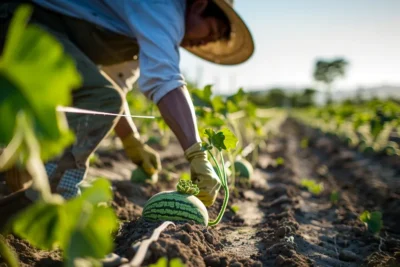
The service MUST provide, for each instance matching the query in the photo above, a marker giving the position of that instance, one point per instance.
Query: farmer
(112, 34)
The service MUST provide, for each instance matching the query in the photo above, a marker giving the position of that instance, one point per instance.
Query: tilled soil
(272, 222)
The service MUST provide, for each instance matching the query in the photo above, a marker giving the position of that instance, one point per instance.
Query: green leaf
(312, 186)
(80, 227)
(230, 140)
(279, 161)
(99, 192)
(365, 216)
(334, 197)
(38, 77)
(185, 176)
(163, 262)
(7, 255)
(217, 141)
(176, 263)
(218, 104)
(42, 224)
(235, 208)
(373, 220)
(231, 107)
(202, 98)
(91, 236)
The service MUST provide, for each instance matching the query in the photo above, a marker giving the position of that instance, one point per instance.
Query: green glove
(203, 174)
(141, 154)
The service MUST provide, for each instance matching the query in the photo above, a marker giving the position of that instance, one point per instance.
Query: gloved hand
(141, 154)
(203, 174)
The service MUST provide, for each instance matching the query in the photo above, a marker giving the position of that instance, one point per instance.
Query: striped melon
(243, 169)
(175, 206)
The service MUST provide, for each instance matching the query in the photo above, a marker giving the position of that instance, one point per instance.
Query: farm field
(274, 220)
(301, 184)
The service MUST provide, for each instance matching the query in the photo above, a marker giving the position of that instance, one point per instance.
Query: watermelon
(243, 169)
(153, 140)
(140, 176)
(175, 206)
(391, 149)
(368, 150)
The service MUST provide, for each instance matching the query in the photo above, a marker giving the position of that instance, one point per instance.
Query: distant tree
(276, 97)
(327, 71)
(307, 98)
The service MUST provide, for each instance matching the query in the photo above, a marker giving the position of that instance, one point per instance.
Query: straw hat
(237, 49)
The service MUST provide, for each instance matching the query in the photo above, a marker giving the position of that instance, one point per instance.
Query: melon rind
(174, 206)
(140, 176)
(243, 169)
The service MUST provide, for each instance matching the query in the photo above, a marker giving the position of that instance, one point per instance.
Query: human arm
(140, 153)
(159, 29)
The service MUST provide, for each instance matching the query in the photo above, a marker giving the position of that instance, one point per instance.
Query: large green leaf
(99, 192)
(230, 140)
(222, 140)
(37, 77)
(43, 225)
(81, 227)
(92, 235)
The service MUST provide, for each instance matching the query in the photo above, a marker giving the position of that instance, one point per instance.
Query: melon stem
(224, 182)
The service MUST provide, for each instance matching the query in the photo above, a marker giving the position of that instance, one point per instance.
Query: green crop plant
(334, 197)
(304, 143)
(94, 159)
(164, 262)
(182, 204)
(373, 221)
(235, 208)
(312, 186)
(32, 130)
(222, 140)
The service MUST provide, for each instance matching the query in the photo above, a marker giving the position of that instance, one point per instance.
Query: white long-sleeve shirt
(157, 25)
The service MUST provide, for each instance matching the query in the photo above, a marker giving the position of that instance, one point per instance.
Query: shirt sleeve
(159, 28)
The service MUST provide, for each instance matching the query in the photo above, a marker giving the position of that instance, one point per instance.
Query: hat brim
(236, 50)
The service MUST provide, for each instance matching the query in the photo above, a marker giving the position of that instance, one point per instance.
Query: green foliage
(279, 161)
(235, 208)
(37, 77)
(334, 197)
(373, 221)
(222, 140)
(94, 159)
(304, 143)
(185, 176)
(81, 227)
(202, 97)
(312, 186)
(163, 262)
(328, 70)
(366, 126)
(9, 257)
(29, 50)
(187, 187)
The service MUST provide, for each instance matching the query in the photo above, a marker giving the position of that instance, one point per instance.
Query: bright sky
(290, 34)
